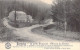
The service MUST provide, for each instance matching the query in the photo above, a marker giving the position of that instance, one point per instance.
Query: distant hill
(39, 3)
(9, 5)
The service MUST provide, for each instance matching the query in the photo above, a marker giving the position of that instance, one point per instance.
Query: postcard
(40, 24)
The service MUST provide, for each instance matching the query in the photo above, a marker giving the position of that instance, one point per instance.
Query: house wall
(22, 18)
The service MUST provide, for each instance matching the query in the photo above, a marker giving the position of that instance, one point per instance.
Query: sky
(47, 1)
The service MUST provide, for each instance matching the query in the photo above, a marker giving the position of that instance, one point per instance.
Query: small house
(22, 19)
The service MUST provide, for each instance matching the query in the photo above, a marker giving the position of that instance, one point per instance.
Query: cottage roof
(19, 14)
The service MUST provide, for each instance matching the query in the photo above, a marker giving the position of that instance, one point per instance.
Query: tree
(62, 11)
(30, 9)
(69, 11)
(37, 13)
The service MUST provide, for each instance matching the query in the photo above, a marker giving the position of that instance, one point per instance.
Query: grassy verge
(53, 33)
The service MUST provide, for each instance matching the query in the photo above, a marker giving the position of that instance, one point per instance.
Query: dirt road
(27, 33)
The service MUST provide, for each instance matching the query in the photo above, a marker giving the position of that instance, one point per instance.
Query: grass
(58, 34)
(7, 34)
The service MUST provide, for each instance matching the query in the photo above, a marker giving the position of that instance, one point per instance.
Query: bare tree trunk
(65, 22)
(15, 15)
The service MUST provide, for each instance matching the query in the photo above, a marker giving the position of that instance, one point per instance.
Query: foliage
(67, 10)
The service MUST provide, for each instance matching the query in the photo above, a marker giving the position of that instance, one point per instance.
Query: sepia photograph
(39, 20)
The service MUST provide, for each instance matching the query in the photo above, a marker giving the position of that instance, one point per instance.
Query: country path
(27, 33)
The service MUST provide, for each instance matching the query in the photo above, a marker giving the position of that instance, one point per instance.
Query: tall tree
(62, 11)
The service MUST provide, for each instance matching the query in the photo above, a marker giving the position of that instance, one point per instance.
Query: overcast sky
(47, 1)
